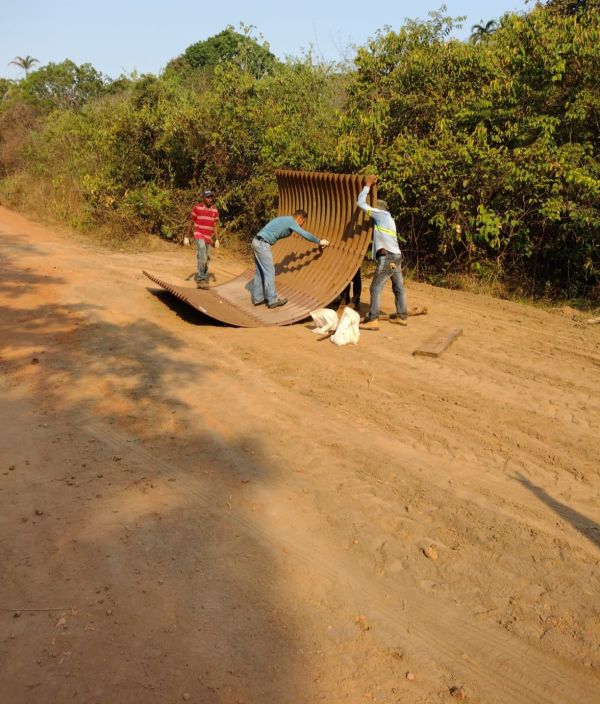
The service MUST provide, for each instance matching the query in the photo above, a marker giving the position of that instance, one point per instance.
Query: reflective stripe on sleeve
(387, 232)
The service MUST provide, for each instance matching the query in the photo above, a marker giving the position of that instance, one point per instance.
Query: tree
(248, 53)
(24, 62)
(488, 152)
(572, 7)
(480, 32)
(65, 85)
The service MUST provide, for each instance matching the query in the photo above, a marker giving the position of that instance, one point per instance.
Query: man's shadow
(588, 528)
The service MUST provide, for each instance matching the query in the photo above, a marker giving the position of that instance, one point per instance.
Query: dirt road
(192, 512)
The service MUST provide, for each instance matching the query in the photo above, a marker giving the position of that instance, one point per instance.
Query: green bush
(488, 151)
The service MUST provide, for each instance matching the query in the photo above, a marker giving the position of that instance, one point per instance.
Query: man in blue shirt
(263, 287)
(386, 252)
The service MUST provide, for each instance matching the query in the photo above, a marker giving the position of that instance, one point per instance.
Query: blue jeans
(263, 287)
(203, 254)
(388, 267)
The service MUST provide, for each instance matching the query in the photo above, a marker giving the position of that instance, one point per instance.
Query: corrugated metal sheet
(308, 277)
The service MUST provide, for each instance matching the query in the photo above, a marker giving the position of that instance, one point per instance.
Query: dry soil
(193, 512)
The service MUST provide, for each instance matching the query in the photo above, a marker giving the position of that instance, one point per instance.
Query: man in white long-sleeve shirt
(386, 252)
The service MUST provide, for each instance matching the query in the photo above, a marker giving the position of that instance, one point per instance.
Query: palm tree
(479, 32)
(24, 62)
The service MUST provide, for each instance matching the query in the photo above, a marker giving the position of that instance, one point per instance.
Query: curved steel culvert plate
(308, 277)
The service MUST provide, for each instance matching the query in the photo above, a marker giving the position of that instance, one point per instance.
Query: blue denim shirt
(283, 226)
(384, 229)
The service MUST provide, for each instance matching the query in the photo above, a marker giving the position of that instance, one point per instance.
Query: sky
(122, 36)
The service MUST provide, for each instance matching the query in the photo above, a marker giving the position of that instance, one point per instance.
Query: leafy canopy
(250, 54)
(63, 86)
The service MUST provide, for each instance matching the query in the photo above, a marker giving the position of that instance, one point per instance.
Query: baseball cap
(207, 194)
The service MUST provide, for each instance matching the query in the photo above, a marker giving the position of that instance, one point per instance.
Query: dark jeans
(356, 284)
(388, 267)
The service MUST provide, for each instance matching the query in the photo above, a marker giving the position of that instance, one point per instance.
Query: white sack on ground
(347, 332)
(326, 320)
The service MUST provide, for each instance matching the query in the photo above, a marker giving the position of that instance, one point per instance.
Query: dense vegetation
(488, 150)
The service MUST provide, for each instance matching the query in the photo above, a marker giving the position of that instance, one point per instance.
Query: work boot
(202, 284)
(278, 302)
(369, 324)
(397, 320)
(258, 303)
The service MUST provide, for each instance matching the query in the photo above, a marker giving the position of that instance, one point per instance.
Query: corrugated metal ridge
(308, 277)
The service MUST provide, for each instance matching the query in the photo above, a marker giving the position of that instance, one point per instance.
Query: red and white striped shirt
(205, 221)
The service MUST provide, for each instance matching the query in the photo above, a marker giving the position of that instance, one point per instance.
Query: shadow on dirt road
(588, 528)
(130, 570)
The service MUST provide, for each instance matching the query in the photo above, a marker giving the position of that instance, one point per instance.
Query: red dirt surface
(192, 512)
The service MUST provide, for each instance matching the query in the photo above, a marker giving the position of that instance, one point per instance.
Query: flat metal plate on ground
(437, 343)
(308, 277)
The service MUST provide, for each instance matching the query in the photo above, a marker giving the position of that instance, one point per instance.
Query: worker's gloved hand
(216, 244)
(323, 243)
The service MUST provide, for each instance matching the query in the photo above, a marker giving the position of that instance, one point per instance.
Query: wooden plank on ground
(439, 342)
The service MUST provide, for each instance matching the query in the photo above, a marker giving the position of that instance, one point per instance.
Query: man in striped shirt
(204, 221)
(386, 252)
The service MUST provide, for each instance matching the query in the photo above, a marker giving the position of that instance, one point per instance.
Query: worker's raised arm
(362, 200)
(370, 180)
